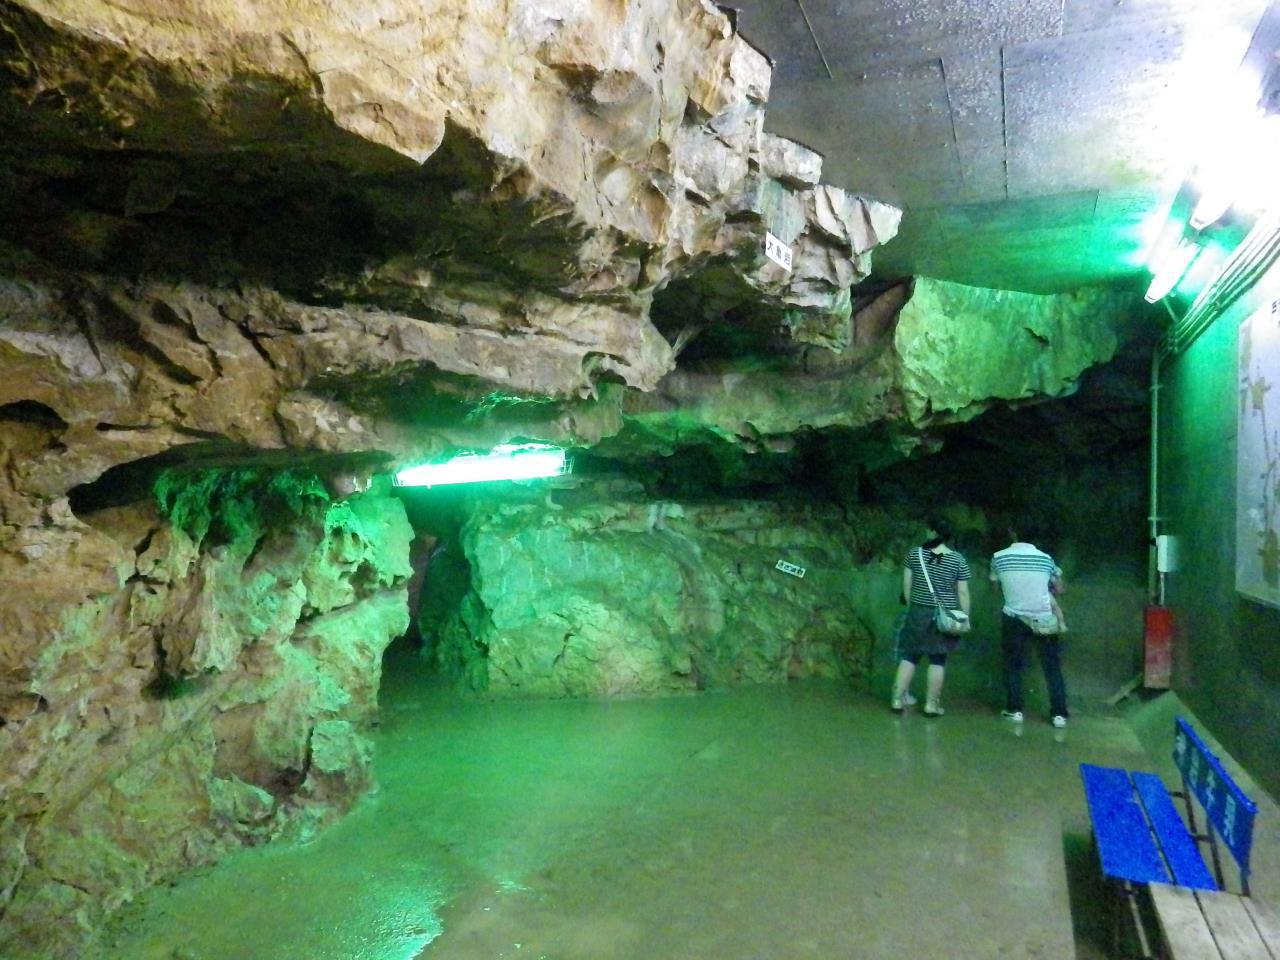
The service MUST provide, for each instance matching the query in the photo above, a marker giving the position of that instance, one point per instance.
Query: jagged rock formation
(921, 356)
(612, 593)
(964, 348)
(417, 211)
(532, 170)
(175, 683)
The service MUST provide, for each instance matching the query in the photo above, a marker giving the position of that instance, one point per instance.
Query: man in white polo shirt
(1026, 575)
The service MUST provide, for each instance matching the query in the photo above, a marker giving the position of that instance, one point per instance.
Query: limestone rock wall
(287, 234)
(965, 348)
(286, 225)
(920, 356)
(116, 372)
(527, 168)
(611, 595)
(176, 682)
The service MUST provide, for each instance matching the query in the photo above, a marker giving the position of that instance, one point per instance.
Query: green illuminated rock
(216, 686)
(922, 356)
(638, 597)
(962, 348)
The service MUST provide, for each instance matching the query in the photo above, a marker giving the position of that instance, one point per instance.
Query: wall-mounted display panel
(1258, 457)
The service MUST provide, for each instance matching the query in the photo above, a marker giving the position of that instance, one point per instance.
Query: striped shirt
(1024, 573)
(945, 570)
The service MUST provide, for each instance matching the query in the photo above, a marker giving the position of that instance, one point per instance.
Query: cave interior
(789, 290)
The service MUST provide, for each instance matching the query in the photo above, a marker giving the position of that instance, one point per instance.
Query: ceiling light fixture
(1169, 270)
(507, 461)
(1241, 173)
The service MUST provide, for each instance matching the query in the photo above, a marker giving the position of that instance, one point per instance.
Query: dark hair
(941, 532)
(941, 529)
(1028, 532)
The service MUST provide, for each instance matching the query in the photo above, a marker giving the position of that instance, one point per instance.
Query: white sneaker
(908, 700)
(1014, 715)
(1059, 721)
(933, 710)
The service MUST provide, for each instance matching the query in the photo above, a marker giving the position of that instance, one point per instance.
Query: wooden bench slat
(1180, 850)
(1182, 923)
(1268, 925)
(1232, 926)
(1125, 844)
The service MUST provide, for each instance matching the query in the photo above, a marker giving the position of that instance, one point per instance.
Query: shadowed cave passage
(656, 574)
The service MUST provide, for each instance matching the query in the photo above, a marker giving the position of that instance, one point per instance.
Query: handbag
(952, 622)
(1042, 625)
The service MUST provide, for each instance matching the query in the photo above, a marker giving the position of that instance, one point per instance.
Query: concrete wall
(1227, 658)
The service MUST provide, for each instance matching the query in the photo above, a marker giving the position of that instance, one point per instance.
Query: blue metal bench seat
(1139, 833)
(1146, 846)
(1181, 853)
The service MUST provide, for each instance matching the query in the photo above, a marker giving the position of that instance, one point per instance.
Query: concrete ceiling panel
(890, 133)
(1091, 110)
(778, 28)
(1030, 141)
(1082, 16)
(1035, 244)
(976, 95)
(856, 35)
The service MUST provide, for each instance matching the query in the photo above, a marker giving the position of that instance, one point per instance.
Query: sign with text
(790, 568)
(777, 251)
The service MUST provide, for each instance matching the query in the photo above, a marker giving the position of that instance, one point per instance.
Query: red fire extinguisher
(1158, 648)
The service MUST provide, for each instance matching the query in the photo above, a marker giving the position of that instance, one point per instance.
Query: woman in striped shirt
(948, 571)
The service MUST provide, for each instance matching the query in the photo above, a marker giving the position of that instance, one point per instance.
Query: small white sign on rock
(777, 251)
(790, 568)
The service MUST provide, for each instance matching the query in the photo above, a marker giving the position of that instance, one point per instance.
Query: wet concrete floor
(796, 822)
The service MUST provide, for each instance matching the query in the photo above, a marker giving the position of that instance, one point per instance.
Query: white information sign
(777, 251)
(790, 568)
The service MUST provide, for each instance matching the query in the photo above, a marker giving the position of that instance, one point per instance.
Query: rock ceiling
(233, 227)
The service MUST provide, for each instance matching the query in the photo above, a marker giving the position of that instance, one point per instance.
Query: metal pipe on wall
(1153, 497)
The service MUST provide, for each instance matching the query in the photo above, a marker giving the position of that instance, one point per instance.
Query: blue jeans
(1015, 637)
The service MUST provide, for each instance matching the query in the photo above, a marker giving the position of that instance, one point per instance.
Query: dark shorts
(920, 638)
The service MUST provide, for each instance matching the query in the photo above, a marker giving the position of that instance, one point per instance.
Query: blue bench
(1152, 854)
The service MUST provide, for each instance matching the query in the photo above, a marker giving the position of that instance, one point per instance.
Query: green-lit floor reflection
(798, 822)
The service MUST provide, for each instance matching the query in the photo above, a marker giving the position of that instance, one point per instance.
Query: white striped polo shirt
(1024, 573)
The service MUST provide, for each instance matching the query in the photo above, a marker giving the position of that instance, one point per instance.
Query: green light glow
(505, 462)
(1158, 234)
(1204, 270)
(1169, 270)
(1206, 92)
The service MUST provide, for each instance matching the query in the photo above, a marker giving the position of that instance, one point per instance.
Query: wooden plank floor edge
(1268, 924)
(1232, 926)
(1183, 925)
